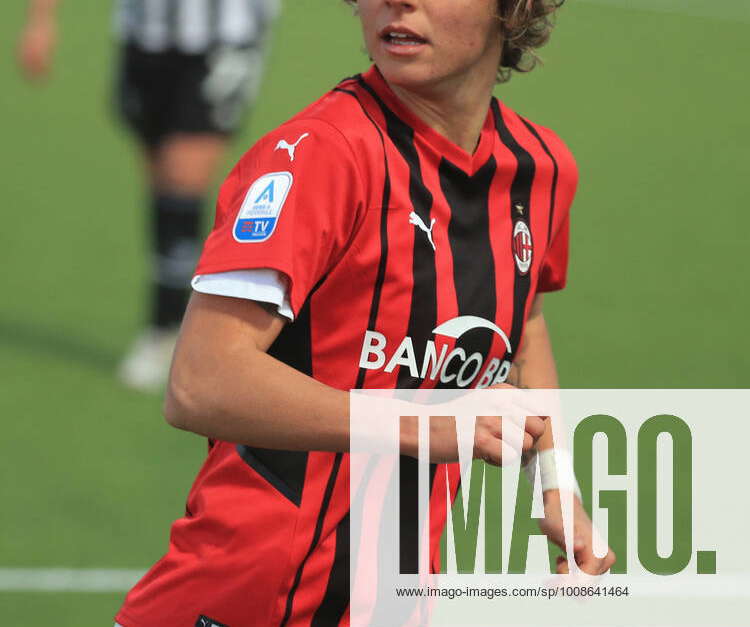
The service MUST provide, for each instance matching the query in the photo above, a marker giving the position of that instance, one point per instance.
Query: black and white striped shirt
(193, 26)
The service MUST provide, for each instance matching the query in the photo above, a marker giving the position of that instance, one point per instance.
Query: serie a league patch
(260, 211)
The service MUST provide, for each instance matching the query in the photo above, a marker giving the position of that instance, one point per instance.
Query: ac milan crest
(522, 246)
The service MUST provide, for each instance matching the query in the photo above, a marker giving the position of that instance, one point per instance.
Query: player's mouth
(400, 40)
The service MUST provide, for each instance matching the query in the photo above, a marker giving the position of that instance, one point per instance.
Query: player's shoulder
(549, 141)
(300, 140)
(548, 150)
(341, 119)
(328, 137)
(341, 109)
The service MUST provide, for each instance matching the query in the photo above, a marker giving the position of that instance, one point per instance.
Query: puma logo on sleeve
(290, 148)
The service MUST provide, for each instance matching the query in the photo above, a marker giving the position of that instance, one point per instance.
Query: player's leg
(184, 168)
(144, 82)
(207, 102)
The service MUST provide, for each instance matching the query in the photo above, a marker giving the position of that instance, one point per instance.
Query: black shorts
(162, 93)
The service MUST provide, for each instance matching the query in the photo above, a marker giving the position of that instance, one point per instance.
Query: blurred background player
(188, 71)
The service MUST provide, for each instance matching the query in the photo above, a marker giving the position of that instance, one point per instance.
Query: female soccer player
(188, 70)
(405, 202)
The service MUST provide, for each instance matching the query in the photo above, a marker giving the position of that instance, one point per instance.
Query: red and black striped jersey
(409, 263)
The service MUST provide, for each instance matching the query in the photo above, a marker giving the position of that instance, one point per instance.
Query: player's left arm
(534, 367)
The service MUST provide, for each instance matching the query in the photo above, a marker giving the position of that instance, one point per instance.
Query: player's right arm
(225, 386)
(36, 45)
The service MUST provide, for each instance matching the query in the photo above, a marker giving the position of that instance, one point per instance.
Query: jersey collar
(440, 144)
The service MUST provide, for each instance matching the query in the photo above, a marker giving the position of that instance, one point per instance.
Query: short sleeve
(291, 204)
(554, 271)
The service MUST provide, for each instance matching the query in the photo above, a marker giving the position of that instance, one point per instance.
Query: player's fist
(492, 447)
(498, 440)
(36, 47)
(520, 404)
(501, 438)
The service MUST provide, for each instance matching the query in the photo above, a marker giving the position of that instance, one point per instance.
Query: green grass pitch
(653, 105)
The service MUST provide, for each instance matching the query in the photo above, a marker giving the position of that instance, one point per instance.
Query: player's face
(428, 44)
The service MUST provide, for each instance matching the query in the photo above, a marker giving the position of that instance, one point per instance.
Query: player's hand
(534, 426)
(583, 534)
(36, 48)
(489, 443)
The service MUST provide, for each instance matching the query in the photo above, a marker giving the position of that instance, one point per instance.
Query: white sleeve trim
(262, 284)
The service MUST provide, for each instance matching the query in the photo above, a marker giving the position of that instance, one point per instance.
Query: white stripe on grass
(736, 10)
(68, 579)
(121, 580)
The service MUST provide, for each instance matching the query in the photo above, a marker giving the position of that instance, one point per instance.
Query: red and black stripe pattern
(436, 239)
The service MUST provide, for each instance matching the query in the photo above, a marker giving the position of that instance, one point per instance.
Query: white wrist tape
(555, 470)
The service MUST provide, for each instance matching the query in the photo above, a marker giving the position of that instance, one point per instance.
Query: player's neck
(457, 112)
